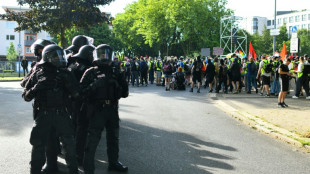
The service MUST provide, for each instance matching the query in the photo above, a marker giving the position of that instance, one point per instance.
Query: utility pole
(275, 26)
(19, 45)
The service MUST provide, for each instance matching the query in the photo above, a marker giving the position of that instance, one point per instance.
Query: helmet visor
(103, 53)
(40, 42)
(57, 58)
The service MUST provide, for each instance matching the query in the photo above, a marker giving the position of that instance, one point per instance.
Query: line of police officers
(75, 98)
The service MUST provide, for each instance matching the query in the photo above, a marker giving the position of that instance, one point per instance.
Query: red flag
(252, 51)
(283, 52)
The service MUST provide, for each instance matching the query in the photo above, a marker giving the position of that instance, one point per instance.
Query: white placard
(294, 45)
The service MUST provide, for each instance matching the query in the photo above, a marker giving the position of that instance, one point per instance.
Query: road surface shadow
(149, 150)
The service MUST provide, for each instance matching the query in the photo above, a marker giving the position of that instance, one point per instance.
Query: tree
(304, 39)
(56, 17)
(282, 37)
(182, 27)
(11, 54)
(101, 34)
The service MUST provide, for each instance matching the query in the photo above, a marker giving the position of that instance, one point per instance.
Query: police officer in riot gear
(77, 42)
(84, 59)
(48, 86)
(104, 86)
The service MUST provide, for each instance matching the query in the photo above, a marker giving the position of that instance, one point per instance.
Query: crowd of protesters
(266, 76)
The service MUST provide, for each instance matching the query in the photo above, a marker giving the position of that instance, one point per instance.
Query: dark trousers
(25, 70)
(302, 82)
(251, 81)
(151, 76)
(48, 122)
(219, 87)
(105, 116)
(135, 78)
(81, 133)
(144, 78)
(127, 76)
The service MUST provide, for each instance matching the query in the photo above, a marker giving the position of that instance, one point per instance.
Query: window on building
(304, 26)
(309, 17)
(10, 37)
(30, 37)
(297, 18)
(285, 20)
(279, 21)
(308, 26)
(28, 50)
(268, 22)
(304, 17)
(291, 19)
(290, 29)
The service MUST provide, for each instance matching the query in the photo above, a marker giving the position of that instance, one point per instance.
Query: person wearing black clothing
(284, 82)
(84, 59)
(49, 86)
(210, 71)
(143, 72)
(134, 72)
(103, 86)
(196, 71)
(236, 75)
(24, 64)
(223, 70)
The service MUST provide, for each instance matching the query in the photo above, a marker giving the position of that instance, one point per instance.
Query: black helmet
(79, 41)
(86, 53)
(306, 55)
(55, 55)
(40, 44)
(103, 52)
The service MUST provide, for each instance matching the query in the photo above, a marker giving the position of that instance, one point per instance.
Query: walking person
(236, 75)
(167, 70)
(210, 72)
(284, 82)
(264, 70)
(222, 76)
(24, 64)
(196, 71)
(302, 80)
(135, 72)
(251, 75)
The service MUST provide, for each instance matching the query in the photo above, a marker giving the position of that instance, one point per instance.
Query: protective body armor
(102, 83)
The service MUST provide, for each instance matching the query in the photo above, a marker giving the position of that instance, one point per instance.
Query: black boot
(118, 166)
(49, 168)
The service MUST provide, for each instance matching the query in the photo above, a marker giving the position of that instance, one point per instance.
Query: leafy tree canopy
(56, 16)
(11, 54)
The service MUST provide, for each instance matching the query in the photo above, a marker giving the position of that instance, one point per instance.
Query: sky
(243, 8)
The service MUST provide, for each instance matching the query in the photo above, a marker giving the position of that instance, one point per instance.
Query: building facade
(24, 38)
(299, 19)
(255, 24)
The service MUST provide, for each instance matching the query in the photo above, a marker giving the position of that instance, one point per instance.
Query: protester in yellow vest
(302, 80)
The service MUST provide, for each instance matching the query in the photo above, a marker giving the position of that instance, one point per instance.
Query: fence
(11, 68)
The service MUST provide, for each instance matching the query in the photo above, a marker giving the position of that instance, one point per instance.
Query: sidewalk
(290, 124)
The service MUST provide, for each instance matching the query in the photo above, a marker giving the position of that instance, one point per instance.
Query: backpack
(167, 68)
(225, 70)
(268, 67)
(152, 66)
(127, 67)
(253, 68)
(199, 66)
(144, 66)
(186, 67)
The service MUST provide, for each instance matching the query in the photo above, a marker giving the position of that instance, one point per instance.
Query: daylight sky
(244, 8)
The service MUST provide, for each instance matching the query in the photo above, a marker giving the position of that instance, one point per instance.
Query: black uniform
(104, 87)
(78, 113)
(49, 86)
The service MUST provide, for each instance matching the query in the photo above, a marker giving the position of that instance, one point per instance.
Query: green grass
(10, 78)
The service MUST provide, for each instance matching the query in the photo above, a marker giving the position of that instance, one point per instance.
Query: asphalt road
(174, 132)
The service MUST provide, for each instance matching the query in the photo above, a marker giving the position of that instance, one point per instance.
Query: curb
(262, 126)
